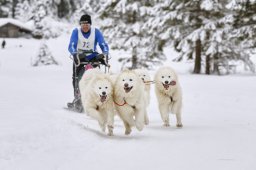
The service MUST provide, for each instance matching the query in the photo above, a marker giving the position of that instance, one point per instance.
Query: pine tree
(189, 26)
(243, 34)
(44, 17)
(5, 8)
(14, 4)
(122, 23)
(64, 8)
(245, 23)
(40, 12)
(23, 10)
(44, 56)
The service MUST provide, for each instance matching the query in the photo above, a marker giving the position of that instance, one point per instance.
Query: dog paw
(166, 124)
(146, 122)
(110, 133)
(128, 131)
(179, 125)
(110, 130)
(139, 126)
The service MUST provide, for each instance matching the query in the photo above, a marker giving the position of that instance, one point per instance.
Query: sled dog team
(128, 95)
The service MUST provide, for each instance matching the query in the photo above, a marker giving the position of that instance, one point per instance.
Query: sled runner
(80, 59)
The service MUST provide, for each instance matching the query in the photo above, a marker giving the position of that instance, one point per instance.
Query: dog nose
(166, 82)
(104, 93)
(126, 85)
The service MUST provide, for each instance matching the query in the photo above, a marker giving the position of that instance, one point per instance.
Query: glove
(81, 56)
(101, 59)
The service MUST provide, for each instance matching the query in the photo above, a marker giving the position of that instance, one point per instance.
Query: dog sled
(80, 60)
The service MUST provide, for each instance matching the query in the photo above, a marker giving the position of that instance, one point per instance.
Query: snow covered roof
(4, 21)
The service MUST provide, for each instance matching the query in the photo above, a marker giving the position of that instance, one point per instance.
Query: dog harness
(148, 82)
(124, 104)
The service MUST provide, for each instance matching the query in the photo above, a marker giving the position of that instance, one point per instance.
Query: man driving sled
(82, 47)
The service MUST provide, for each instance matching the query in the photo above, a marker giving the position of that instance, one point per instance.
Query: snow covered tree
(23, 10)
(39, 13)
(244, 30)
(122, 23)
(5, 8)
(64, 8)
(44, 56)
(14, 4)
(200, 30)
(45, 20)
(245, 22)
(86, 8)
(189, 26)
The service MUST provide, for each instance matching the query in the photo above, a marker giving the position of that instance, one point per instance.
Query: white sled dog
(145, 77)
(97, 98)
(129, 100)
(169, 95)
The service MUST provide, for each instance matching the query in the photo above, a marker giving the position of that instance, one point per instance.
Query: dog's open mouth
(166, 86)
(103, 98)
(128, 89)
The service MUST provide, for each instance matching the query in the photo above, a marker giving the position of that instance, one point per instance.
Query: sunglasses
(84, 23)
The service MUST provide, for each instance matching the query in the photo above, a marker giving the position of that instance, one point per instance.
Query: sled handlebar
(100, 59)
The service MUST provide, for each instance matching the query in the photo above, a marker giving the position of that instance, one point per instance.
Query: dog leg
(96, 115)
(176, 109)
(139, 119)
(110, 130)
(146, 119)
(102, 126)
(178, 117)
(164, 114)
(128, 129)
(110, 122)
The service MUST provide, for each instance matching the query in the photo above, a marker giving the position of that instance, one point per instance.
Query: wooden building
(12, 28)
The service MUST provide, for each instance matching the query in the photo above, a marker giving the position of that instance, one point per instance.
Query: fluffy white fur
(145, 77)
(129, 92)
(97, 98)
(169, 95)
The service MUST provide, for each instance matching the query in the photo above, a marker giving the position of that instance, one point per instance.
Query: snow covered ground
(36, 133)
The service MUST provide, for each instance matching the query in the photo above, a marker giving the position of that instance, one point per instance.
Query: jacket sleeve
(72, 47)
(102, 43)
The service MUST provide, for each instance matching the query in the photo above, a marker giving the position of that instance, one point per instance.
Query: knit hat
(86, 18)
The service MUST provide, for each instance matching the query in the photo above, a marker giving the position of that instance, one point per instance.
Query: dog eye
(144, 75)
(169, 76)
(99, 87)
(130, 79)
(106, 87)
(123, 79)
(162, 76)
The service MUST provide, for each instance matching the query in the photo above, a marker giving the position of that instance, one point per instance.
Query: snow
(207, 5)
(37, 133)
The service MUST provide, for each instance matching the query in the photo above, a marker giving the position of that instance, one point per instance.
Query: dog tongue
(173, 83)
(103, 98)
(166, 86)
(126, 89)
